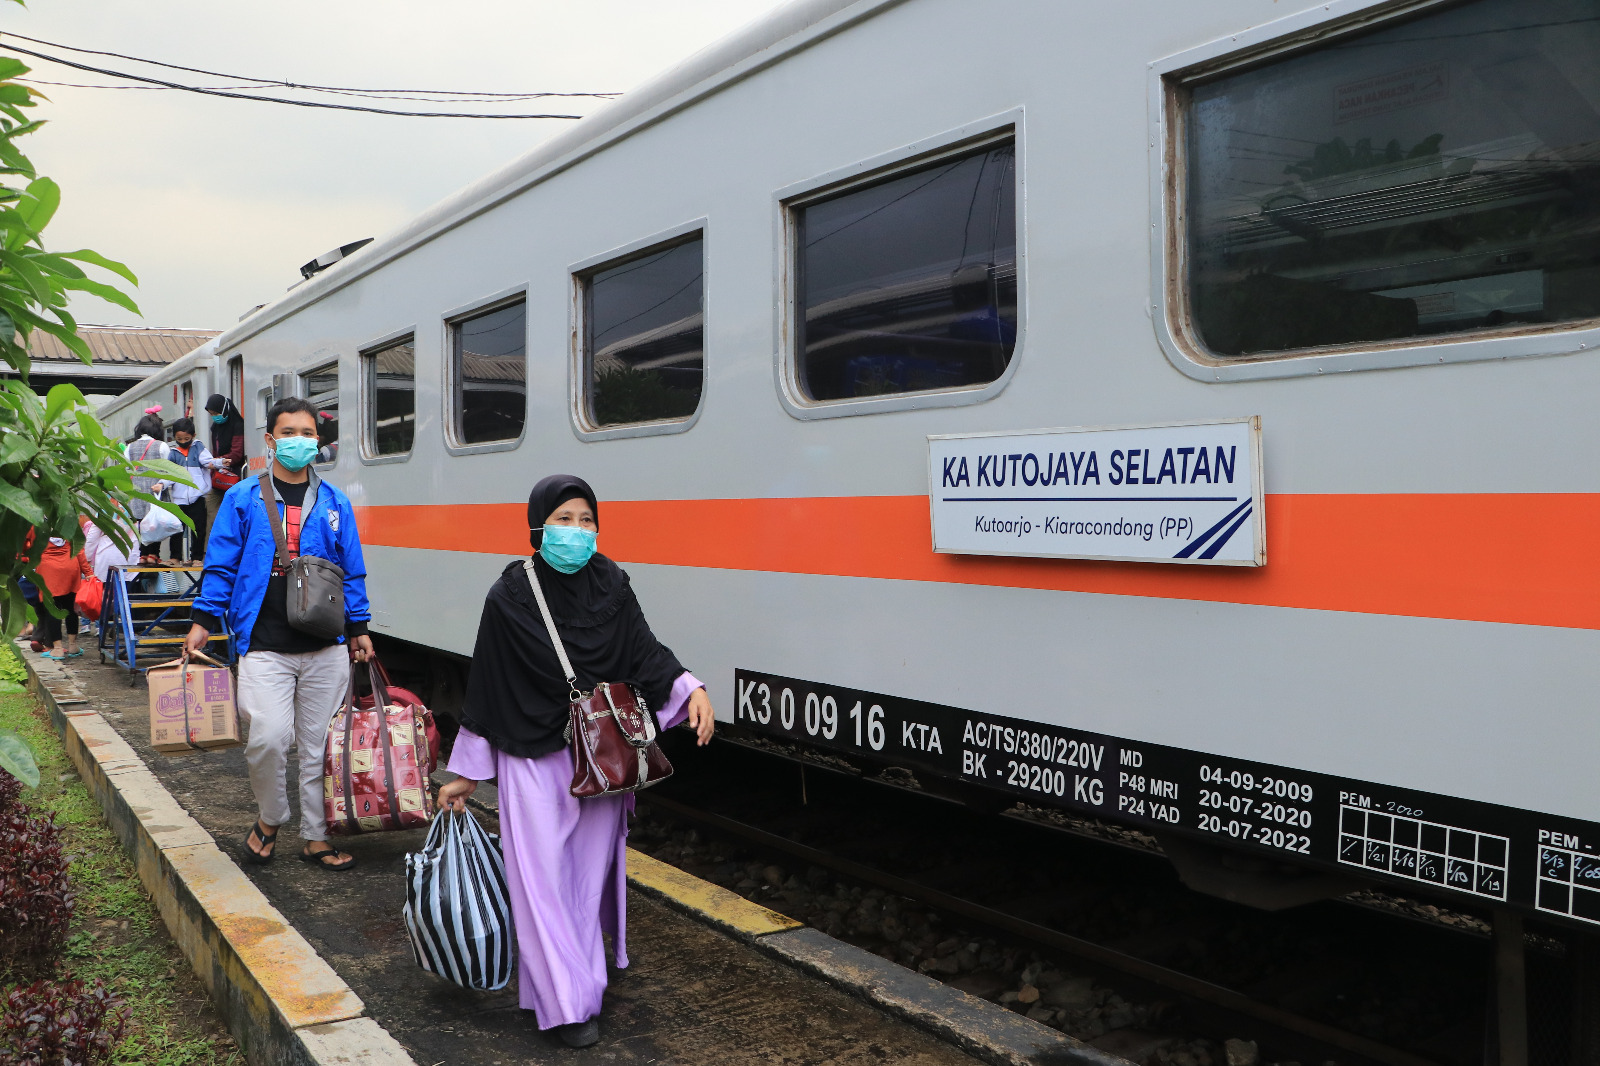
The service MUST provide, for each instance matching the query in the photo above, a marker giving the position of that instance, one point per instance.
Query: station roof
(145, 349)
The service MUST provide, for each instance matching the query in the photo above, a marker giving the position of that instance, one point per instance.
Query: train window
(322, 389)
(489, 372)
(643, 336)
(909, 284)
(187, 403)
(236, 380)
(1434, 176)
(389, 390)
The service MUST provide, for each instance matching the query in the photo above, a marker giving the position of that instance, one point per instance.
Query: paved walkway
(691, 995)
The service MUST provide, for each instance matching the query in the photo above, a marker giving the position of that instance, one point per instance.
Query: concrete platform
(317, 968)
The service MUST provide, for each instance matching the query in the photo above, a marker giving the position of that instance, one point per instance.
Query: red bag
(91, 596)
(614, 747)
(374, 764)
(224, 479)
(612, 732)
(404, 697)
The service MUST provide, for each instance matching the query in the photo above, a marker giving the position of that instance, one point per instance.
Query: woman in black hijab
(227, 426)
(565, 858)
(227, 443)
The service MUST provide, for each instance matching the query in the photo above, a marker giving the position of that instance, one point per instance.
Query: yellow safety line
(717, 903)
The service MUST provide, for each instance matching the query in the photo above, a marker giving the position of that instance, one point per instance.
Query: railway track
(1408, 986)
(1222, 1007)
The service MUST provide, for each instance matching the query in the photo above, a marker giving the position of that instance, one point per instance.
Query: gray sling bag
(316, 586)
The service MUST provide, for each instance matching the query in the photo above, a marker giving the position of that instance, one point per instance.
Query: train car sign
(1182, 492)
(1486, 853)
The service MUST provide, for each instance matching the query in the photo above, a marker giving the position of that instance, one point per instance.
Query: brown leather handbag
(612, 732)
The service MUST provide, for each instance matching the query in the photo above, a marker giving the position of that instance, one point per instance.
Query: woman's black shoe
(581, 1034)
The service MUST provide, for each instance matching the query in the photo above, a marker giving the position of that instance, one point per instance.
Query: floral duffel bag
(376, 762)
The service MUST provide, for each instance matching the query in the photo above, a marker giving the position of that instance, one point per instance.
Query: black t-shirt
(273, 631)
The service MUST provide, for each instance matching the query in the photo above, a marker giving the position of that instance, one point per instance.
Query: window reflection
(1437, 176)
(490, 375)
(910, 284)
(391, 377)
(323, 379)
(644, 337)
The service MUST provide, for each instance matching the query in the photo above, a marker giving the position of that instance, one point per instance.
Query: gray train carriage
(180, 389)
(1178, 414)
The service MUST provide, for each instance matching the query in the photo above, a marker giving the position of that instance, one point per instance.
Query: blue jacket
(241, 552)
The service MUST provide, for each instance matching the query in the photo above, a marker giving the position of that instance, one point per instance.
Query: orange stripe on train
(1489, 557)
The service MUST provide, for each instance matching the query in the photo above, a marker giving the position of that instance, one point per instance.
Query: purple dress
(567, 869)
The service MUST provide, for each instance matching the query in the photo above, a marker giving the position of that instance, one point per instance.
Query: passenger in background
(60, 571)
(564, 857)
(291, 682)
(150, 442)
(30, 596)
(329, 451)
(197, 462)
(227, 444)
(103, 553)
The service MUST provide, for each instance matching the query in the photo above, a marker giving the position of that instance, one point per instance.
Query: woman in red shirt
(60, 571)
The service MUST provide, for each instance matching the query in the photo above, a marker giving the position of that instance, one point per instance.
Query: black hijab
(222, 434)
(551, 493)
(516, 695)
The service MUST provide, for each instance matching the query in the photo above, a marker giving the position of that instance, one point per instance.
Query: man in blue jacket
(291, 683)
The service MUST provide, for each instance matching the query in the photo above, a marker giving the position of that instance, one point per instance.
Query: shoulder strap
(550, 625)
(269, 504)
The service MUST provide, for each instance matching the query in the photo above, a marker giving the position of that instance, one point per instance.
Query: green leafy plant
(34, 282)
(56, 460)
(16, 760)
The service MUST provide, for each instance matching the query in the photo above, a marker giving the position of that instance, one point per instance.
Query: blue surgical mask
(295, 452)
(219, 419)
(567, 548)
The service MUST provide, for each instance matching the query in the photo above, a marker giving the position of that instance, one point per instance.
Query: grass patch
(116, 933)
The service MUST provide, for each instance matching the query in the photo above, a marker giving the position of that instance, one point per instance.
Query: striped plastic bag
(458, 910)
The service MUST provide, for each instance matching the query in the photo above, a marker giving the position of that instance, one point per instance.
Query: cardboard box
(208, 697)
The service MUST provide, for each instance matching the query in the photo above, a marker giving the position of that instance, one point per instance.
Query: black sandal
(267, 840)
(320, 859)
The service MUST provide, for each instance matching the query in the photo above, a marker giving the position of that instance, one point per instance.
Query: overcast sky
(215, 203)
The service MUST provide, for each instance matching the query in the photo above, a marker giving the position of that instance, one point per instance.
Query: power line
(84, 85)
(263, 99)
(289, 84)
(376, 95)
(470, 98)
